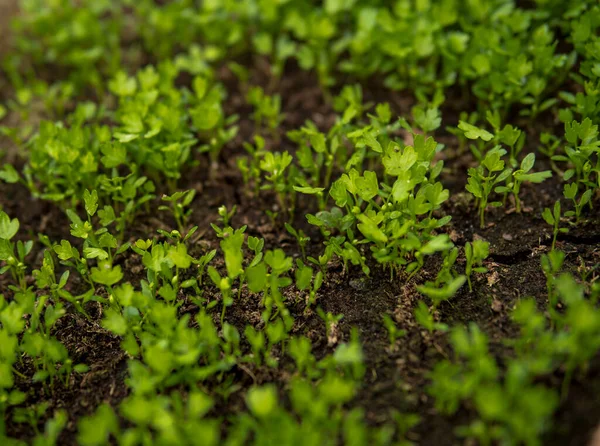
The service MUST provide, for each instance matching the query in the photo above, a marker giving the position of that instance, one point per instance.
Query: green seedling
(475, 253)
(13, 253)
(482, 180)
(267, 110)
(300, 237)
(179, 203)
(331, 320)
(425, 319)
(225, 216)
(553, 219)
(393, 331)
(551, 265)
(570, 193)
(523, 175)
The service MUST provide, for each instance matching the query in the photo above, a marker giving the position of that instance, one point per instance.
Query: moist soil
(396, 376)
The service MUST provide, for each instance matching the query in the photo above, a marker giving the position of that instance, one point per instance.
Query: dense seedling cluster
(296, 222)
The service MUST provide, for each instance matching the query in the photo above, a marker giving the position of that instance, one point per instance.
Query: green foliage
(111, 104)
(83, 40)
(513, 409)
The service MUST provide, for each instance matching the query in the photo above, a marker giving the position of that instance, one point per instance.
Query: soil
(396, 377)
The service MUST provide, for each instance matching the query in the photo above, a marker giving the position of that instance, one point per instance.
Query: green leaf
(367, 185)
(91, 201)
(446, 292)
(439, 243)
(262, 401)
(106, 274)
(96, 429)
(309, 190)
(122, 85)
(179, 255)
(473, 132)
(370, 229)
(65, 251)
(528, 162)
(95, 253)
(114, 155)
(398, 162)
(8, 227)
(338, 193)
(547, 215)
(537, 177)
(9, 174)
(232, 248)
(257, 277)
(115, 322)
(570, 190)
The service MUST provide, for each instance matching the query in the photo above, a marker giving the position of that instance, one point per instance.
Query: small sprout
(393, 331)
(301, 238)
(225, 215)
(570, 192)
(331, 320)
(553, 219)
(523, 175)
(178, 205)
(475, 254)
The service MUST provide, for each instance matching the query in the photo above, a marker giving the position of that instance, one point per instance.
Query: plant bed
(217, 227)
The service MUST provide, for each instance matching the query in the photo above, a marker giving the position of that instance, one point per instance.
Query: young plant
(300, 236)
(179, 206)
(13, 254)
(482, 180)
(581, 152)
(551, 265)
(331, 320)
(570, 192)
(276, 166)
(425, 319)
(447, 282)
(553, 219)
(523, 175)
(304, 278)
(267, 110)
(475, 254)
(231, 245)
(393, 331)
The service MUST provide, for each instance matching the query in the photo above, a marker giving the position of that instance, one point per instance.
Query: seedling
(301, 238)
(393, 331)
(331, 320)
(13, 254)
(570, 192)
(179, 206)
(553, 219)
(267, 110)
(522, 175)
(483, 179)
(475, 254)
(225, 215)
(424, 317)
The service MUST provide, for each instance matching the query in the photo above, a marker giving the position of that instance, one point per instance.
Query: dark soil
(396, 376)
